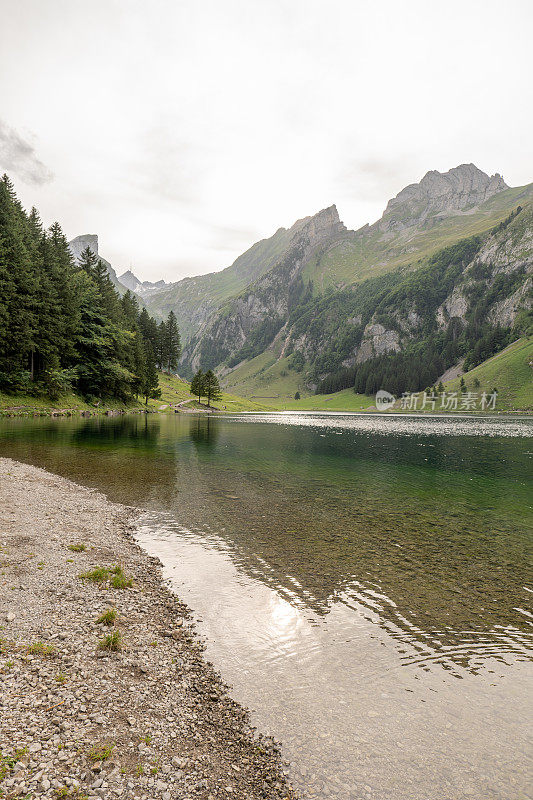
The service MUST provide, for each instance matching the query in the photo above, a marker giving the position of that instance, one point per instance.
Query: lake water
(363, 582)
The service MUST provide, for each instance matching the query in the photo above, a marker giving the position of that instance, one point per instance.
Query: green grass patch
(41, 649)
(510, 372)
(113, 641)
(120, 580)
(108, 617)
(77, 548)
(100, 752)
(174, 391)
(7, 763)
(97, 575)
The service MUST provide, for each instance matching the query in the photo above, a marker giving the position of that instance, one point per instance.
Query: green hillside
(174, 391)
(265, 380)
(369, 252)
(510, 372)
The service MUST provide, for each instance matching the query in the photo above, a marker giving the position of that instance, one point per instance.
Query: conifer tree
(148, 328)
(151, 379)
(211, 387)
(161, 351)
(63, 323)
(197, 385)
(17, 287)
(173, 343)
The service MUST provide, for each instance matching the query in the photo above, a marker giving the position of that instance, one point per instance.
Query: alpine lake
(363, 582)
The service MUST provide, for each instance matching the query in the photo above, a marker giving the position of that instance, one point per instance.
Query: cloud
(18, 156)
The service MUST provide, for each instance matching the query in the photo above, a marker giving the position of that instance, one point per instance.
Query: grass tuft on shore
(113, 642)
(101, 752)
(77, 548)
(41, 649)
(119, 579)
(108, 617)
(97, 575)
(115, 575)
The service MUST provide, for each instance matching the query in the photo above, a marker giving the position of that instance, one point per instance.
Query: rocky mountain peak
(322, 225)
(80, 243)
(440, 194)
(142, 288)
(129, 280)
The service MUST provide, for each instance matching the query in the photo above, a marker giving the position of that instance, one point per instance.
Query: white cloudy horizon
(181, 133)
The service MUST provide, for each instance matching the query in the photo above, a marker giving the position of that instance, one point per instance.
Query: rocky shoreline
(105, 689)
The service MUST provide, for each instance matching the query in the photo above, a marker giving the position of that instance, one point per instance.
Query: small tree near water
(297, 396)
(150, 383)
(197, 385)
(211, 387)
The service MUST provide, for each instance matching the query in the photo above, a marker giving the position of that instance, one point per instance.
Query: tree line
(63, 325)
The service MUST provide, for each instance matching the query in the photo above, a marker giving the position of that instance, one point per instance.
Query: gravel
(149, 720)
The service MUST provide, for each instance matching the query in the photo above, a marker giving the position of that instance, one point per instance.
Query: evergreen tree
(161, 352)
(139, 364)
(17, 286)
(173, 343)
(151, 380)
(148, 328)
(88, 261)
(130, 310)
(63, 323)
(197, 385)
(108, 293)
(211, 387)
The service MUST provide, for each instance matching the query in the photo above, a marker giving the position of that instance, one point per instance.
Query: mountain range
(313, 297)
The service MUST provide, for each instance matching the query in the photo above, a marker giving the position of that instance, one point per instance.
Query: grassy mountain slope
(369, 252)
(266, 379)
(193, 299)
(174, 390)
(510, 372)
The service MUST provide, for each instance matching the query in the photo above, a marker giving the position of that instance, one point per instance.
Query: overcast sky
(182, 132)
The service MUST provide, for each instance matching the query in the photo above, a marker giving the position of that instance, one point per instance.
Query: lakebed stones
(150, 721)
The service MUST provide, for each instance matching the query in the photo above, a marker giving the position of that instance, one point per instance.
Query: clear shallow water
(363, 582)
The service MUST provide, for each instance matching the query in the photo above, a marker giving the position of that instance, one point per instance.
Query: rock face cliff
(438, 195)
(474, 289)
(90, 240)
(255, 317)
(81, 243)
(464, 302)
(195, 300)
